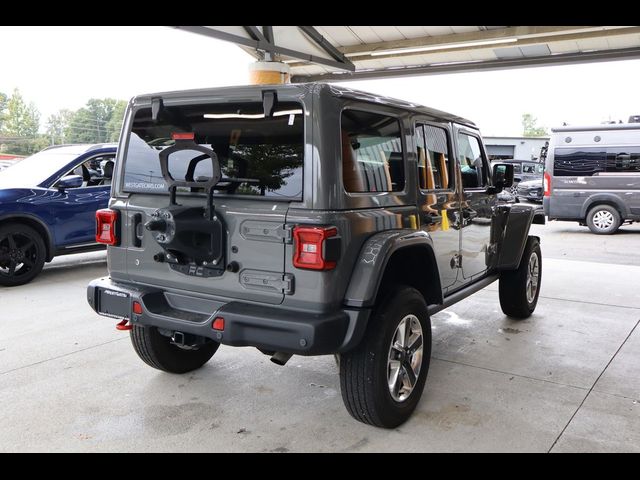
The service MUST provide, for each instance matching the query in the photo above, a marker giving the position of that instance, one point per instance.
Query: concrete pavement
(567, 379)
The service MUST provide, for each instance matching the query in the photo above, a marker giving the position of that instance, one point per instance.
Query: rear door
(261, 161)
(438, 204)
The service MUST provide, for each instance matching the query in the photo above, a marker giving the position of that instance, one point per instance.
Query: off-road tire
(364, 371)
(157, 351)
(513, 285)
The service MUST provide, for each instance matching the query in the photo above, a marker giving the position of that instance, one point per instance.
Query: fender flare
(373, 259)
(608, 198)
(516, 223)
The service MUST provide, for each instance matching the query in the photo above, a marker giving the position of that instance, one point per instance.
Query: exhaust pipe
(281, 358)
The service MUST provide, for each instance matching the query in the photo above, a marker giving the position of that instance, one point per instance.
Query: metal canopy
(340, 53)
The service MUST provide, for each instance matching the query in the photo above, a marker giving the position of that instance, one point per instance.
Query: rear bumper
(266, 327)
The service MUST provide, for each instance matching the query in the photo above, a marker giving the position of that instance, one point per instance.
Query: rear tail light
(106, 223)
(316, 248)
(547, 184)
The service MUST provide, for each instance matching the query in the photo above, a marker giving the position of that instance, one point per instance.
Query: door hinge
(456, 261)
(267, 281)
(286, 232)
(266, 231)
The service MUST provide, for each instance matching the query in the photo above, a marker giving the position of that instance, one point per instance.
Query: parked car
(592, 176)
(47, 207)
(531, 190)
(307, 219)
(523, 171)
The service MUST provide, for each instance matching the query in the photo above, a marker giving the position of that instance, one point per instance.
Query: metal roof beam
(523, 35)
(460, 67)
(256, 34)
(325, 45)
(266, 46)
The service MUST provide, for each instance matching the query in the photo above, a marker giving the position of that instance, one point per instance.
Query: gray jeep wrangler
(306, 219)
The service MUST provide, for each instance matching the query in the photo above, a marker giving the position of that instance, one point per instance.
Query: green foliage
(98, 122)
(114, 125)
(20, 123)
(57, 125)
(529, 127)
(3, 106)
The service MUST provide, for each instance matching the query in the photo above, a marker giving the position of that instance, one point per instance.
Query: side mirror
(69, 181)
(502, 176)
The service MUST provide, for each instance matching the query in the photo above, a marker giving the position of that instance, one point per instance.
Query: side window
(623, 159)
(372, 158)
(472, 166)
(95, 172)
(433, 157)
(530, 168)
(573, 162)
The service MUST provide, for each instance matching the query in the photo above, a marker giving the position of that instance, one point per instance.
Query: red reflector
(106, 226)
(547, 184)
(137, 308)
(218, 323)
(183, 136)
(308, 242)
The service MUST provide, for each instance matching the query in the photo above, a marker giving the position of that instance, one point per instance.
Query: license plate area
(113, 303)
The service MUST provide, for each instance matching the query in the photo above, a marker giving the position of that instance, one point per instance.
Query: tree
(3, 107)
(57, 124)
(21, 120)
(115, 122)
(91, 124)
(529, 127)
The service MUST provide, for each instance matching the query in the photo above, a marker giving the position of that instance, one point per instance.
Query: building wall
(524, 148)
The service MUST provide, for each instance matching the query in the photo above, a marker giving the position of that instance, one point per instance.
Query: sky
(62, 67)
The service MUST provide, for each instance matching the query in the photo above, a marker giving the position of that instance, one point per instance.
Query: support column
(269, 73)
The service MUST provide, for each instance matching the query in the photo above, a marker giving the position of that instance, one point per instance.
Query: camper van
(592, 176)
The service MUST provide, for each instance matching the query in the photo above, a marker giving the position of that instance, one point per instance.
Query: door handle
(137, 230)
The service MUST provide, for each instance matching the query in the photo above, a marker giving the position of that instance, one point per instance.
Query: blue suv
(47, 207)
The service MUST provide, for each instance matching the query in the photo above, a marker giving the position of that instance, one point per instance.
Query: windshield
(37, 168)
(258, 156)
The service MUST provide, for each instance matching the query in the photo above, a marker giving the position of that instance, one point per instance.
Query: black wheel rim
(18, 255)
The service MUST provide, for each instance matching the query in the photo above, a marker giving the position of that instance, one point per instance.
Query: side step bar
(463, 293)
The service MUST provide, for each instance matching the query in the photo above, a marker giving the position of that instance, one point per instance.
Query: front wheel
(157, 351)
(383, 378)
(22, 254)
(519, 289)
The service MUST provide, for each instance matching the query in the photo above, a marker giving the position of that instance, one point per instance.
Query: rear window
(372, 159)
(582, 162)
(258, 156)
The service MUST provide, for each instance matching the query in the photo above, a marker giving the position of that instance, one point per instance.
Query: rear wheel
(157, 351)
(22, 254)
(519, 289)
(603, 219)
(383, 378)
